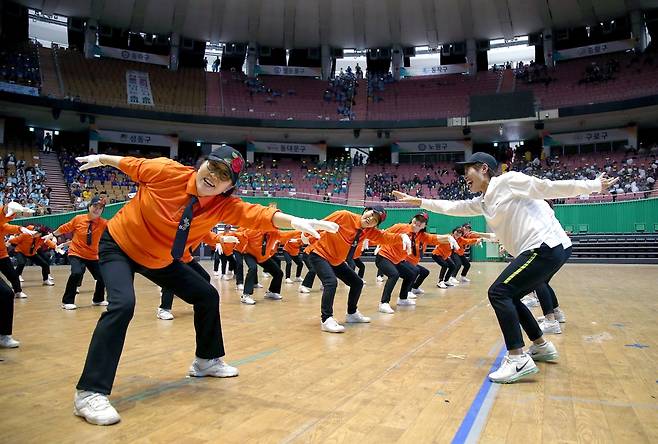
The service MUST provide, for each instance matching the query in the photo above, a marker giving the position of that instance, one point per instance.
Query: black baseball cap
(379, 211)
(231, 158)
(478, 157)
(422, 215)
(97, 200)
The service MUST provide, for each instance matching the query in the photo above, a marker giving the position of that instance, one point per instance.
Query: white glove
(15, 207)
(231, 239)
(218, 249)
(365, 245)
(60, 249)
(294, 241)
(311, 225)
(26, 231)
(304, 239)
(90, 161)
(50, 237)
(406, 243)
(377, 250)
(453, 243)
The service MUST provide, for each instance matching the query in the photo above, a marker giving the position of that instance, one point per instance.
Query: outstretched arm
(453, 208)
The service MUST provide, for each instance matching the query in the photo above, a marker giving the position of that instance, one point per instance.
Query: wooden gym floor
(416, 376)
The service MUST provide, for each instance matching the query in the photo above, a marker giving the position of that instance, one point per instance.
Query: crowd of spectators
(597, 73)
(342, 90)
(377, 84)
(24, 184)
(533, 73)
(437, 181)
(637, 172)
(20, 66)
(82, 184)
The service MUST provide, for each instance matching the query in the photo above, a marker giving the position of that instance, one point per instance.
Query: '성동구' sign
(132, 138)
(437, 70)
(133, 56)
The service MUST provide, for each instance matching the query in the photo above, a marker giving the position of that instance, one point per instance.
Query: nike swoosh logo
(518, 369)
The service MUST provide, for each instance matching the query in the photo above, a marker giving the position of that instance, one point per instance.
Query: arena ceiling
(342, 23)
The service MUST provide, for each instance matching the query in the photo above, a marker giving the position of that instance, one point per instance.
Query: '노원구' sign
(432, 147)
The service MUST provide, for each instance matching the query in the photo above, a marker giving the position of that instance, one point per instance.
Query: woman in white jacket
(513, 206)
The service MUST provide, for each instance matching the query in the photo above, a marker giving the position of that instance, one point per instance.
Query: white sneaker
(20, 295)
(364, 282)
(530, 300)
(69, 306)
(247, 299)
(299, 279)
(385, 307)
(303, 289)
(356, 317)
(20, 278)
(226, 277)
(289, 281)
(380, 278)
(6, 341)
(212, 367)
(448, 283)
(240, 287)
(544, 352)
(417, 291)
(258, 286)
(402, 302)
(100, 304)
(441, 285)
(216, 273)
(49, 282)
(331, 326)
(465, 279)
(550, 327)
(273, 296)
(411, 295)
(560, 316)
(514, 368)
(163, 314)
(453, 281)
(95, 408)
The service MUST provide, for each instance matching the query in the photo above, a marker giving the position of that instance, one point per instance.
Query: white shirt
(514, 208)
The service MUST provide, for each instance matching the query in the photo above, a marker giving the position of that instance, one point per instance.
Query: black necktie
(183, 230)
(89, 231)
(355, 242)
(413, 243)
(263, 245)
(422, 249)
(34, 243)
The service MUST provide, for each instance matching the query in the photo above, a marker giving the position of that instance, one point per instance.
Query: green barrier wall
(619, 217)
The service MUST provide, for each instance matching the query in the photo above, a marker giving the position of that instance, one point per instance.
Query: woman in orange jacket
(29, 247)
(392, 261)
(330, 254)
(174, 209)
(292, 253)
(465, 238)
(6, 266)
(442, 255)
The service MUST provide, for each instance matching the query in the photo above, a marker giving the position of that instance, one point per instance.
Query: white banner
(139, 88)
(302, 149)
(437, 70)
(601, 48)
(19, 89)
(432, 147)
(132, 138)
(585, 137)
(294, 71)
(133, 56)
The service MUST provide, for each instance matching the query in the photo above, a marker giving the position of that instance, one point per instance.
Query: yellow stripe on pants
(521, 268)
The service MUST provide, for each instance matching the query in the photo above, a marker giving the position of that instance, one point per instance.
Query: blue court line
(473, 413)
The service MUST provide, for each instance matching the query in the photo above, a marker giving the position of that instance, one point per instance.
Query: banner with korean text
(132, 138)
(446, 146)
(595, 136)
(590, 50)
(133, 56)
(293, 71)
(300, 149)
(437, 70)
(138, 88)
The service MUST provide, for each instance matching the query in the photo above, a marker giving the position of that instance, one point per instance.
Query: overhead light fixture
(371, 149)
(495, 144)
(56, 132)
(198, 144)
(31, 129)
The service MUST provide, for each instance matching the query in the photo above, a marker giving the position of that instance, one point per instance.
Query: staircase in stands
(60, 199)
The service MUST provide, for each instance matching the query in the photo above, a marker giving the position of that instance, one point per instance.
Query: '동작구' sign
(133, 56)
(437, 70)
(590, 50)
